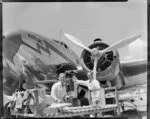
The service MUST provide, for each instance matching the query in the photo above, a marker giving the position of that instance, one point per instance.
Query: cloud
(137, 50)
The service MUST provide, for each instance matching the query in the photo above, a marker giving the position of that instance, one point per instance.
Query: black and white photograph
(75, 59)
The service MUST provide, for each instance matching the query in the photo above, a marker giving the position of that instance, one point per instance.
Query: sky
(84, 20)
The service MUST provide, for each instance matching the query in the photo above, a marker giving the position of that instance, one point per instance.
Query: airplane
(46, 57)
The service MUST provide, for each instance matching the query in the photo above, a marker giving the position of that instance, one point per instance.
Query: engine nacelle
(107, 66)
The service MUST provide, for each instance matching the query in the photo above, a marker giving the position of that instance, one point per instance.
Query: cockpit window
(61, 43)
(66, 46)
(56, 41)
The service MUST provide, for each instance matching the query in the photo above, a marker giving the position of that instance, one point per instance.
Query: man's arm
(80, 82)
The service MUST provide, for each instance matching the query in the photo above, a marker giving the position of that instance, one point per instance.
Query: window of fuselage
(61, 43)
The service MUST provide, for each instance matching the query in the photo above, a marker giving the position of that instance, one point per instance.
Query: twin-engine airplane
(46, 57)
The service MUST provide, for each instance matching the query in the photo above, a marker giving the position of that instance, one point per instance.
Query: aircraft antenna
(60, 34)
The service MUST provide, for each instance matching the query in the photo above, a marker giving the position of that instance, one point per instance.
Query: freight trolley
(108, 105)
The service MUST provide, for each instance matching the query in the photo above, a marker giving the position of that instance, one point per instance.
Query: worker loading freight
(58, 90)
(92, 84)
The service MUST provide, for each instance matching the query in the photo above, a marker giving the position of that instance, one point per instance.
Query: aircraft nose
(11, 45)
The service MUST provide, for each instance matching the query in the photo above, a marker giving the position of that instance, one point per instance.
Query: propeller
(77, 42)
(96, 53)
(121, 43)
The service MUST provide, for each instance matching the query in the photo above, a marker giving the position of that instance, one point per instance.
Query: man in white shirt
(92, 85)
(58, 90)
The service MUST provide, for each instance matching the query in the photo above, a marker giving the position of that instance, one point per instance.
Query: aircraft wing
(134, 73)
(132, 68)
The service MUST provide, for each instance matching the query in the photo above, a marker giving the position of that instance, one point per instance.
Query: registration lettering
(35, 39)
(41, 44)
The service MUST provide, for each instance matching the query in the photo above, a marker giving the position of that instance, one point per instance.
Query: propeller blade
(95, 67)
(121, 43)
(77, 42)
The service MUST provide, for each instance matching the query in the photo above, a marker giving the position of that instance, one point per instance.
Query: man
(92, 85)
(58, 91)
(71, 90)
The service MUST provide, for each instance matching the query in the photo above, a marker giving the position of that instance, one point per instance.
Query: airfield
(86, 21)
(138, 95)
